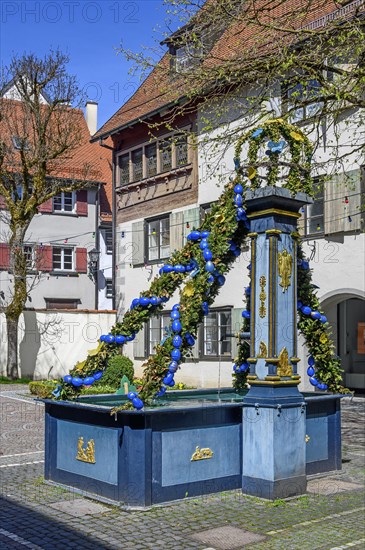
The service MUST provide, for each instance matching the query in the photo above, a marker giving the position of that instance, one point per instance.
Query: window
(163, 155)
(64, 202)
(187, 56)
(157, 329)
(62, 259)
(181, 147)
(29, 255)
(108, 241)
(215, 343)
(297, 94)
(20, 143)
(158, 238)
(123, 162)
(151, 160)
(108, 288)
(61, 303)
(137, 165)
(314, 213)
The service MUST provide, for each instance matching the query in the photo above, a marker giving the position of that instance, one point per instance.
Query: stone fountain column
(274, 409)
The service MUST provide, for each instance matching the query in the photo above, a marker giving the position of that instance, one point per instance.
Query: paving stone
(330, 486)
(80, 507)
(227, 537)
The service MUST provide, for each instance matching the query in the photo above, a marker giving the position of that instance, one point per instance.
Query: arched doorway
(346, 313)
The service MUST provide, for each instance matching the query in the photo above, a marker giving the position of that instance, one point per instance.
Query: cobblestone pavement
(331, 517)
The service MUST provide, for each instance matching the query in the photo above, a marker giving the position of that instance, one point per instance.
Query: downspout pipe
(97, 244)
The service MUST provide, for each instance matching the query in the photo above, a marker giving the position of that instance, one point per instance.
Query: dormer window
(20, 143)
(187, 56)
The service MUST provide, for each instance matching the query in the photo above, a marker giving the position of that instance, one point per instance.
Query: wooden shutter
(46, 207)
(236, 327)
(44, 258)
(138, 240)
(337, 213)
(81, 202)
(139, 344)
(81, 260)
(176, 231)
(301, 223)
(4, 256)
(195, 349)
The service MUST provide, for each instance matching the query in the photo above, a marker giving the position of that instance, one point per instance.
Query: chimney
(91, 116)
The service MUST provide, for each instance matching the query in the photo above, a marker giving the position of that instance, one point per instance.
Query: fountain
(156, 447)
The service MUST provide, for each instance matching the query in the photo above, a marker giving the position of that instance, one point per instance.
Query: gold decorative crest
(285, 262)
(307, 438)
(262, 350)
(88, 454)
(262, 296)
(201, 454)
(284, 367)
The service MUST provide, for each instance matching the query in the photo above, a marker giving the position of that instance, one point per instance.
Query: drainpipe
(97, 244)
(114, 214)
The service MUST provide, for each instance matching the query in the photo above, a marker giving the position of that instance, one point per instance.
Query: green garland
(224, 229)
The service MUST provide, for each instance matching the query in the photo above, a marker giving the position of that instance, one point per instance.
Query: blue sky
(89, 32)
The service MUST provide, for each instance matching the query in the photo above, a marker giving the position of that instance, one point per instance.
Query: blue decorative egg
(324, 387)
(205, 308)
(67, 378)
(144, 301)
(299, 304)
(131, 395)
(155, 301)
(310, 371)
(176, 326)
(89, 380)
(161, 392)
(244, 367)
(246, 314)
(323, 319)
(137, 403)
(209, 266)
(77, 381)
(203, 244)
(238, 200)
(179, 268)
(176, 354)
(205, 234)
(173, 367)
(207, 254)
(306, 310)
(177, 341)
(221, 280)
(305, 264)
(131, 337)
(120, 339)
(168, 378)
(311, 361)
(241, 213)
(174, 314)
(164, 298)
(102, 338)
(315, 315)
(313, 381)
(98, 375)
(189, 267)
(194, 236)
(189, 338)
(210, 279)
(110, 339)
(249, 267)
(172, 384)
(238, 189)
(176, 306)
(320, 386)
(236, 252)
(167, 268)
(248, 290)
(135, 302)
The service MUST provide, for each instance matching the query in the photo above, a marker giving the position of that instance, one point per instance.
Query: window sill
(65, 273)
(153, 179)
(59, 213)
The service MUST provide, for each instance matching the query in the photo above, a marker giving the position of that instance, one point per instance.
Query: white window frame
(108, 294)
(203, 343)
(62, 268)
(164, 321)
(108, 249)
(30, 258)
(319, 197)
(62, 210)
(173, 136)
(157, 222)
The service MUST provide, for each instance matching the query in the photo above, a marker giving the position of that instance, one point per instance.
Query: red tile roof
(159, 90)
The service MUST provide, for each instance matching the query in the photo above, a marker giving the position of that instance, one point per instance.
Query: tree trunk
(17, 304)
(12, 369)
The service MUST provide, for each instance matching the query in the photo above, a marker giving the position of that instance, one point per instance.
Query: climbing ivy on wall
(202, 264)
